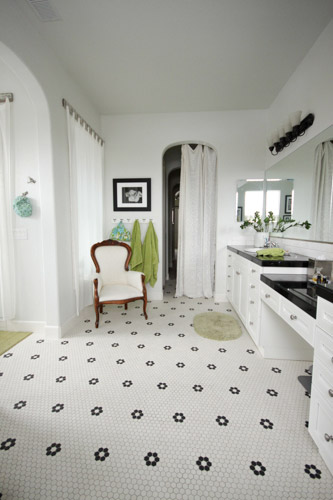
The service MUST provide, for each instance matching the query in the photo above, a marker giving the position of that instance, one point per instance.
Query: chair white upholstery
(113, 282)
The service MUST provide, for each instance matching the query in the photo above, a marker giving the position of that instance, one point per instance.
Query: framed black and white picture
(131, 195)
(288, 204)
(287, 217)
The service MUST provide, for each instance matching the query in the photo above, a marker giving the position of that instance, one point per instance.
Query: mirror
(249, 198)
(297, 169)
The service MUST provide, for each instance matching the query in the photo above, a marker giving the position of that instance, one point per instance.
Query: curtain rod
(78, 117)
(5, 95)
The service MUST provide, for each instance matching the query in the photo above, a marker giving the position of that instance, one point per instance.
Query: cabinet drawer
(325, 315)
(322, 381)
(321, 428)
(254, 273)
(300, 321)
(270, 297)
(324, 348)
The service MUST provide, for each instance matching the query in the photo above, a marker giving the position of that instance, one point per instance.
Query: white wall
(309, 89)
(28, 56)
(134, 148)
(30, 303)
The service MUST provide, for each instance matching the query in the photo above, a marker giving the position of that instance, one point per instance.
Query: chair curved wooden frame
(99, 304)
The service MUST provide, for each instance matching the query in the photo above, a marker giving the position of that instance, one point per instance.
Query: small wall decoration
(288, 204)
(131, 195)
(287, 217)
(239, 214)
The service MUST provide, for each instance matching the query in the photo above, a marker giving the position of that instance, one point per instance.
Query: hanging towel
(150, 255)
(136, 261)
(270, 252)
(120, 233)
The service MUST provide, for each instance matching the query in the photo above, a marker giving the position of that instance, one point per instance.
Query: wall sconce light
(293, 128)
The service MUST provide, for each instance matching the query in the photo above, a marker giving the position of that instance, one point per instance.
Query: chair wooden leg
(126, 306)
(97, 314)
(101, 308)
(145, 307)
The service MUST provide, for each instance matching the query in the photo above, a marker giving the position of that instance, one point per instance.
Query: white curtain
(7, 260)
(197, 222)
(86, 158)
(322, 214)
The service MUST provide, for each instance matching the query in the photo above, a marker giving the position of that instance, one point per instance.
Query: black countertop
(296, 288)
(292, 260)
(325, 291)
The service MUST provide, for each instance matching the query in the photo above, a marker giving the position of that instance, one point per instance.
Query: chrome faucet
(271, 244)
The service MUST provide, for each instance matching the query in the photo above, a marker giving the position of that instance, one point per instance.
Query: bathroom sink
(252, 250)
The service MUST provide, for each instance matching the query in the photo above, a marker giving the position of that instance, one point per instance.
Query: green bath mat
(217, 326)
(9, 339)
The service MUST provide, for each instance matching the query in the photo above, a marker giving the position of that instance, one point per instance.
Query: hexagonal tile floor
(150, 410)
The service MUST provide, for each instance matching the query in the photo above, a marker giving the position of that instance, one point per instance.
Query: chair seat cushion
(119, 292)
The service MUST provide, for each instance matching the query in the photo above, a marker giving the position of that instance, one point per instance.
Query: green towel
(270, 252)
(136, 261)
(150, 255)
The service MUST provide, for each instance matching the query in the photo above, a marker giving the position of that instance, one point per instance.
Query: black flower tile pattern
(9, 443)
(267, 424)
(257, 468)
(179, 417)
(151, 459)
(101, 454)
(312, 470)
(137, 414)
(53, 449)
(222, 420)
(28, 377)
(20, 405)
(128, 421)
(96, 411)
(58, 407)
(204, 463)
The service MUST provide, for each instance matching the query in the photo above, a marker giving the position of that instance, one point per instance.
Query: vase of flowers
(261, 227)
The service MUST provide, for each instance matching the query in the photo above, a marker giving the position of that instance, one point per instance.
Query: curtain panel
(322, 210)
(197, 222)
(7, 254)
(86, 160)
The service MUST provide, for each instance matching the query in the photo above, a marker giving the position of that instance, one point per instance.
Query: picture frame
(239, 214)
(287, 217)
(132, 195)
(288, 204)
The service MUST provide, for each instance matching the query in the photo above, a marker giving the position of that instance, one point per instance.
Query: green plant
(282, 225)
(260, 225)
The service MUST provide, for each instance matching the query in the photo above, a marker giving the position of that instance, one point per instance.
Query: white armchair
(114, 283)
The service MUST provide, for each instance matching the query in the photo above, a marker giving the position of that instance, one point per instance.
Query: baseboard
(154, 295)
(23, 326)
(220, 297)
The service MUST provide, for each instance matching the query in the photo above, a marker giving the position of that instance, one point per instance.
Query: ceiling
(150, 56)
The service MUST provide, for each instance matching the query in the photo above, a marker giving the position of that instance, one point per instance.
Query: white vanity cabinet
(243, 280)
(321, 406)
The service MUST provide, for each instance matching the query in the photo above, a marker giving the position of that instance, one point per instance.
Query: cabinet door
(243, 292)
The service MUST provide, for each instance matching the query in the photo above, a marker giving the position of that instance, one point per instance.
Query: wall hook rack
(30, 179)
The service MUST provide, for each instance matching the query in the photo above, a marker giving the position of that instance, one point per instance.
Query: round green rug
(217, 326)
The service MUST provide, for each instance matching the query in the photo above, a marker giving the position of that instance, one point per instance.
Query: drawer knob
(251, 301)
(229, 255)
(330, 392)
(253, 270)
(229, 276)
(251, 322)
(228, 291)
(229, 265)
(238, 273)
(293, 316)
(253, 286)
(267, 295)
(328, 437)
